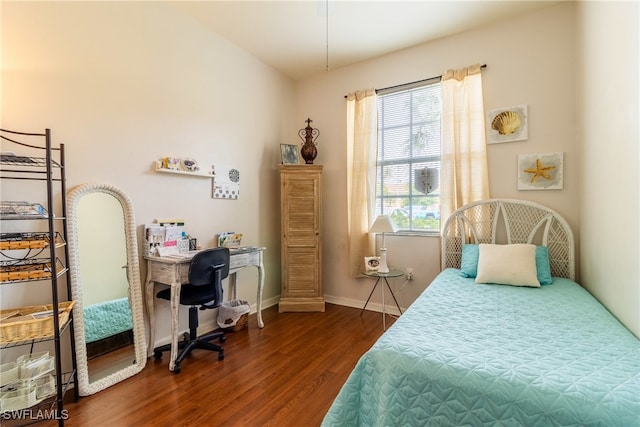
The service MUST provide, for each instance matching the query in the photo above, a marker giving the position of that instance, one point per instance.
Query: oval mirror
(105, 283)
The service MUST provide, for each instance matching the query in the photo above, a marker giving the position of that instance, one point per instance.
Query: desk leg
(175, 311)
(148, 287)
(233, 289)
(260, 287)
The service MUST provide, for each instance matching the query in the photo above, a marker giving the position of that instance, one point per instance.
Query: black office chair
(206, 271)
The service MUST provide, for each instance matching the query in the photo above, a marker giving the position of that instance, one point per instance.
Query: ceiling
(291, 36)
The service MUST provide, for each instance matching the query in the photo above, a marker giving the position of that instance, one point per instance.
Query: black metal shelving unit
(42, 254)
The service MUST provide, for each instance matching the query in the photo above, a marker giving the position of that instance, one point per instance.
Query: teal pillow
(469, 263)
(542, 265)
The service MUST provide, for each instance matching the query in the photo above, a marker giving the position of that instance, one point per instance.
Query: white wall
(531, 60)
(125, 83)
(608, 131)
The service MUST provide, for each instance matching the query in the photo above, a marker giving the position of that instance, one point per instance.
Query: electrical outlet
(409, 273)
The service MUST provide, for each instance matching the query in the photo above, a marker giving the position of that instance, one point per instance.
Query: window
(409, 142)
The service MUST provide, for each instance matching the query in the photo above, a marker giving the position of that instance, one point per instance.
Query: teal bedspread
(104, 319)
(487, 355)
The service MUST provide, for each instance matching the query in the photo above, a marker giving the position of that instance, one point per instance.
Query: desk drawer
(239, 261)
(163, 273)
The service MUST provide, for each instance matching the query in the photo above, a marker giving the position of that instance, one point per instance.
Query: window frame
(432, 160)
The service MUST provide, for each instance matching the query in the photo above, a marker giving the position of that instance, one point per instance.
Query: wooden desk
(174, 271)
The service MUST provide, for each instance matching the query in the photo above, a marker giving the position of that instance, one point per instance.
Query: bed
(108, 318)
(490, 354)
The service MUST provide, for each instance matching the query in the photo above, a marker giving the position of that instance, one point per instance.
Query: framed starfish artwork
(540, 171)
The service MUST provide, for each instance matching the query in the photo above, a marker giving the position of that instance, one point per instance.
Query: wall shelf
(181, 172)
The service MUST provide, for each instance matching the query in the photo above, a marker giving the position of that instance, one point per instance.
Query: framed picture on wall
(507, 124)
(540, 171)
(289, 154)
(226, 182)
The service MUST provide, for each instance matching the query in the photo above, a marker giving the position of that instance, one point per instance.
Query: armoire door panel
(301, 228)
(301, 240)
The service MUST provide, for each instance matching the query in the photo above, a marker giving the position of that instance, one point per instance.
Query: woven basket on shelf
(19, 324)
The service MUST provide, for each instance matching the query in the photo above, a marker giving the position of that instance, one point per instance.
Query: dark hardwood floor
(286, 374)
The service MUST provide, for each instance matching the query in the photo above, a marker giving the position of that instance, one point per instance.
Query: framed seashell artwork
(507, 124)
(540, 171)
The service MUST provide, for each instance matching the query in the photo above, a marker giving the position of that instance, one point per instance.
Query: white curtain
(464, 175)
(362, 146)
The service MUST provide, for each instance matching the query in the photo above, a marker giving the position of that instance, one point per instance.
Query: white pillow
(507, 265)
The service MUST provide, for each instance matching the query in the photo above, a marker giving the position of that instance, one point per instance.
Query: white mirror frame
(135, 290)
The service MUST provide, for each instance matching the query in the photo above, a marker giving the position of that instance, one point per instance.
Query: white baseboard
(390, 309)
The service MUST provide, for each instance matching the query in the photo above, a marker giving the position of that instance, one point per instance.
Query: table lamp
(383, 224)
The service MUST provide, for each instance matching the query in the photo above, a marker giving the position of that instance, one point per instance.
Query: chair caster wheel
(157, 355)
(223, 339)
(185, 337)
(176, 368)
(221, 356)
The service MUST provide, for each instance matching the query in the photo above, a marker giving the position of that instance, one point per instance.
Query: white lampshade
(383, 224)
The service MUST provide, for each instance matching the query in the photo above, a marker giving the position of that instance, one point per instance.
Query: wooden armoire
(301, 234)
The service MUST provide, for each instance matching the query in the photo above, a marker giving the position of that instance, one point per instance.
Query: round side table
(393, 272)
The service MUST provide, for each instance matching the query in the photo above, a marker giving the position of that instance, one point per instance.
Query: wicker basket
(29, 323)
(242, 323)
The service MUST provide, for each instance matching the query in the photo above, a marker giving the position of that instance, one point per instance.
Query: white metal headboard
(509, 221)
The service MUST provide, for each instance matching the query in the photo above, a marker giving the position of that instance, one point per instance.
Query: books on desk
(165, 236)
(178, 256)
(167, 251)
(229, 239)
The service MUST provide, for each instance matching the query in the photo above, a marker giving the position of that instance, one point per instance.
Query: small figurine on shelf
(190, 165)
(172, 163)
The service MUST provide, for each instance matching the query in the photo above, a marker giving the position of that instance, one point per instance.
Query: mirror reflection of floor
(111, 362)
(108, 344)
